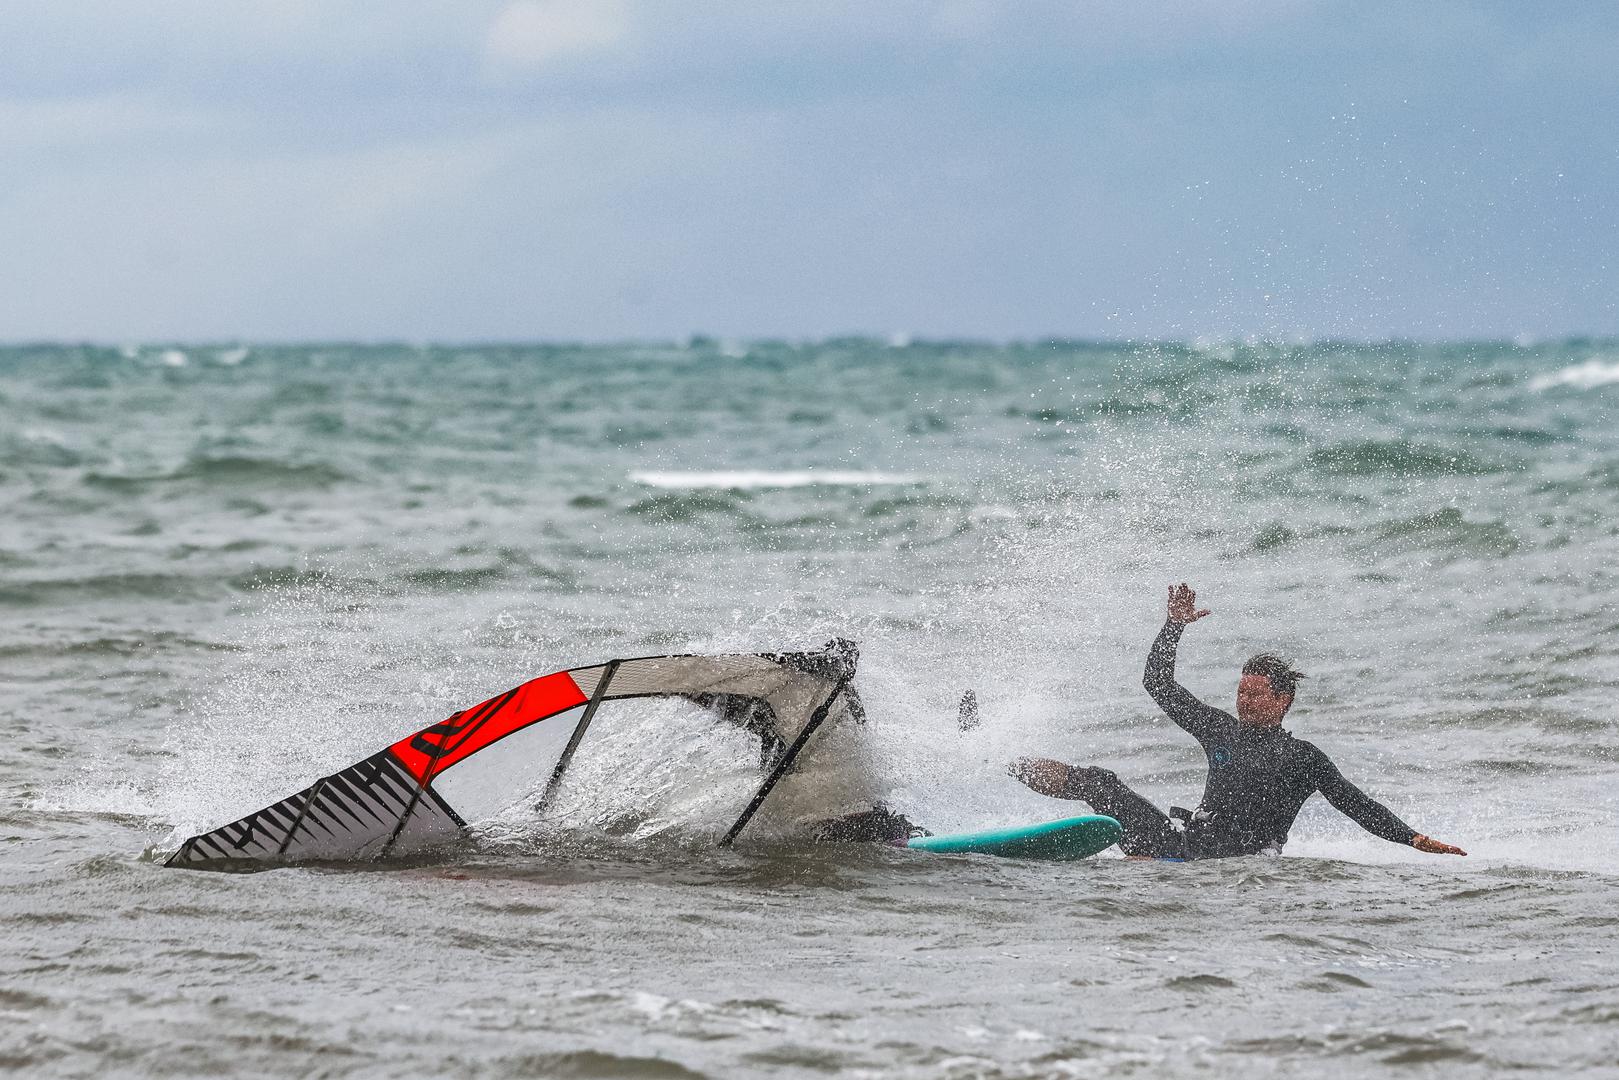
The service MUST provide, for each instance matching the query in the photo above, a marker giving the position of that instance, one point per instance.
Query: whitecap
(762, 478)
(231, 357)
(44, 436)
(1218, 348)
(172, 358)
(1586, 376)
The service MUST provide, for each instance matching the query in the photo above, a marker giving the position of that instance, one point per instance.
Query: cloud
(606, 168)
(532, 33)
(220, 244)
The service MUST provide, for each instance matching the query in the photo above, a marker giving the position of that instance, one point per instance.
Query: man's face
(1258, 704)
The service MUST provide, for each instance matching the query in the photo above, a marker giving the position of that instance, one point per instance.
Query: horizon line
(726, 342)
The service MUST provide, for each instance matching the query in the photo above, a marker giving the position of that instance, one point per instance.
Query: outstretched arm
(1044, 775)
(1372, 815)
(1176, 701)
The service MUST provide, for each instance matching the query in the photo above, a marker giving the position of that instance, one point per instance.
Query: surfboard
(1070, 838)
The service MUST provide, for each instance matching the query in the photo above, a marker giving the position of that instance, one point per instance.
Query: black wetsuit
(1259, 777)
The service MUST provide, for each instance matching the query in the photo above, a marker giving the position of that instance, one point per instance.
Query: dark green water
(224, 571)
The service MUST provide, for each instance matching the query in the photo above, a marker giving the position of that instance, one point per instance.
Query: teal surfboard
(1070, 838)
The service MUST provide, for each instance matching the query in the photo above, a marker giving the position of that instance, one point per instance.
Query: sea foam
(1586, 376)
(757, 478)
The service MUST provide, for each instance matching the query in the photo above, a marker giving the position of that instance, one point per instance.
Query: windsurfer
(1259, 775)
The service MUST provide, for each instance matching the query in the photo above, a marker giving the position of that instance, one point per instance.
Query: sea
(228, 569)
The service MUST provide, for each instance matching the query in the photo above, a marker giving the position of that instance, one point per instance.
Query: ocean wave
(597, 1063)
(904, 503)
(685, 506)
(121, 646)
(1372, 457)
(755, 479)
(126, 586)
(1587, 376)
(232, 471)
(453, 579)
(1449, 529)
(1527, 436)
(37, 446)
(1272, 537)
(282, 577)
(511, 568)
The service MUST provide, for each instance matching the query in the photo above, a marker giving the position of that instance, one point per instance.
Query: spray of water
(1041, 597)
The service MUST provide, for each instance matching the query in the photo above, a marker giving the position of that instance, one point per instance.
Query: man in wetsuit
(1259, 775)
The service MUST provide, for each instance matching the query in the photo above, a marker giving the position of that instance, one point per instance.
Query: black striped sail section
(369, 807)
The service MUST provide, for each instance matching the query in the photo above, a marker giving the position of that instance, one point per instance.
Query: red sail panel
(432, 750)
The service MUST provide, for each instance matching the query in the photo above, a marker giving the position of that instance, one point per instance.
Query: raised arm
(1370, 814)
(1176, 701)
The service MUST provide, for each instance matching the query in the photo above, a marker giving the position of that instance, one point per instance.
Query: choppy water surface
(226, 570)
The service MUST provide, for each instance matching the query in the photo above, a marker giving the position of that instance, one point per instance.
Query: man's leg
(1147, 829)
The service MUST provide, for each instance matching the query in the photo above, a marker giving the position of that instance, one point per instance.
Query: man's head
(1265, 691)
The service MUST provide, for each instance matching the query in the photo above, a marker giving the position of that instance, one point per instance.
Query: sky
(652, 169)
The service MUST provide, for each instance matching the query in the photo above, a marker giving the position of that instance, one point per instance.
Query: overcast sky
(604, 169)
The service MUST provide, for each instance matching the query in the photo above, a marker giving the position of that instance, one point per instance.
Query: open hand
(1183, 605)
(1434, 847)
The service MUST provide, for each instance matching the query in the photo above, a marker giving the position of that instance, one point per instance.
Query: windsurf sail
(423, 790)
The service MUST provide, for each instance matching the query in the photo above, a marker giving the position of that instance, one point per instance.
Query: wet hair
(1283, 679)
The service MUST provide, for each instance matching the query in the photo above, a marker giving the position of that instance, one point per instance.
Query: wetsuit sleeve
(1358, 806)
(1176, 701)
